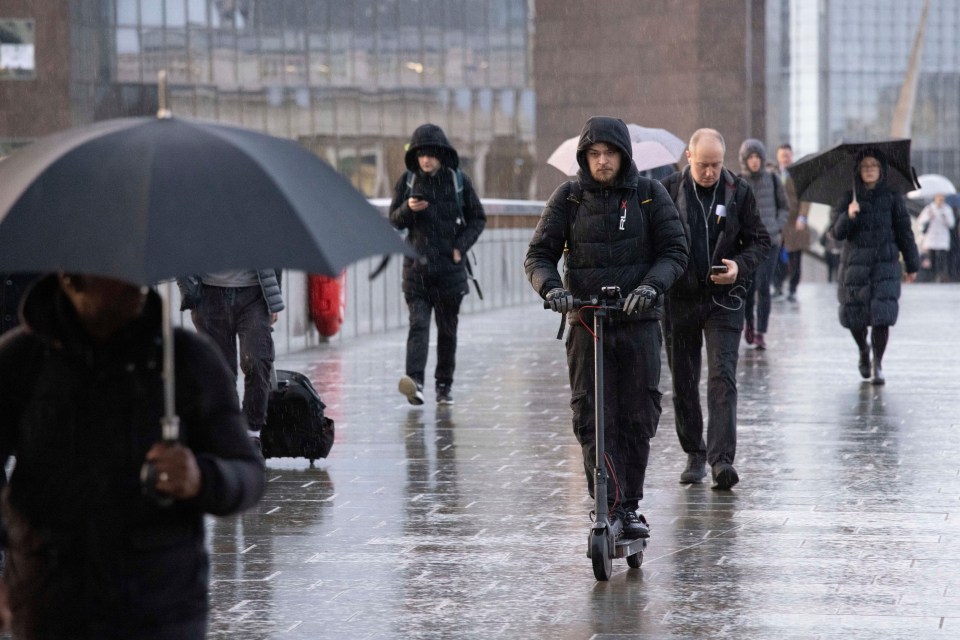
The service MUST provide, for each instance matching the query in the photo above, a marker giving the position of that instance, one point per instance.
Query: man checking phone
(437, 205)
(727, 242)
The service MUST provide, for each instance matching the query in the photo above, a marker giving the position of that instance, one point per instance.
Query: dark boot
(696, 469)
(877, 377)
(724, 476)
(864, 365)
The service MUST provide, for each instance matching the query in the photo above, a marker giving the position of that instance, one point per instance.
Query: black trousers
(227, 314)
(447, 313)
(688, 324)
(631, 402)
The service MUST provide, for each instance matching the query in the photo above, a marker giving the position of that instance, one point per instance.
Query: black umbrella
(148, 199)
(825, 176)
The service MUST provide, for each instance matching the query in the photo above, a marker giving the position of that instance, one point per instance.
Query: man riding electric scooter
(620, 230)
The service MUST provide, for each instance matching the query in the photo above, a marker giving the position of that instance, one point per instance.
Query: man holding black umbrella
(95, 548)
(727, 241)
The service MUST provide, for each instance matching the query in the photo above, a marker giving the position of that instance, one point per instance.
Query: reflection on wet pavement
(471, 521)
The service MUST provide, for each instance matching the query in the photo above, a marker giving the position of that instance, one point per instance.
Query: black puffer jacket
(869, 275)
(741, 238)
(440, 228)
(79, 417)
(623, 235)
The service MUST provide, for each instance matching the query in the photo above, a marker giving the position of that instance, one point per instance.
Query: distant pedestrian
(796, 232)
(937, 221)
(831, 254)
(234, 307)
(727, 241)
(772, 206)
(874, 226)
(614, 228)
(90, 552)
(434, 201)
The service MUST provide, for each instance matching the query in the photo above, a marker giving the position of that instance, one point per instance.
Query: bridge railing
(377, 305)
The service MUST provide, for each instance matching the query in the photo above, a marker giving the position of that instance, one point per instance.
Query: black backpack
(296, 426)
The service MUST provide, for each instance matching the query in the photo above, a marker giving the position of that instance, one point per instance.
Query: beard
(604, 177)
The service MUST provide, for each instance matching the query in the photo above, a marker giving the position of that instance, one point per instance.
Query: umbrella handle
(170, 423)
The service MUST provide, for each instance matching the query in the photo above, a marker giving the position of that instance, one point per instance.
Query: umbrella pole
(170, 423)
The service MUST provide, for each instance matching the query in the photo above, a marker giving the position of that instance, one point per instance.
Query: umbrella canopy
(932, 184)
(825, 176)
(146, 199)
(652, 148)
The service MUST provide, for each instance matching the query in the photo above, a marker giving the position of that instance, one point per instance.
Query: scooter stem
(600, 468)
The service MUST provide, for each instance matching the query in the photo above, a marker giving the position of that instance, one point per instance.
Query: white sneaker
(413, 391)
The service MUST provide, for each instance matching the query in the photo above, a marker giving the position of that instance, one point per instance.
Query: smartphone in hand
(717, 269)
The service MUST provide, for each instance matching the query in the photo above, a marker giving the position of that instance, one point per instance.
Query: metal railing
(376, 306)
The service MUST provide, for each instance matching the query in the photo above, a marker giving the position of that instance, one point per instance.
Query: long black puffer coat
(625, 234)
(869, 275)
(88, 555)
(440, 228)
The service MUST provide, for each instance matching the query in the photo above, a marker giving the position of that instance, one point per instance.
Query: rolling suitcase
(296, 426)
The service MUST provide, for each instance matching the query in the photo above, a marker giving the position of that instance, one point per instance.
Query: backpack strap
(574, 200)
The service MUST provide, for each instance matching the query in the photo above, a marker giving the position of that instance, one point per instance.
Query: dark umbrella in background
(825, 176)
(145, 200)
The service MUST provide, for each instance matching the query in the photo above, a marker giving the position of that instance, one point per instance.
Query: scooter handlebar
(593, 302)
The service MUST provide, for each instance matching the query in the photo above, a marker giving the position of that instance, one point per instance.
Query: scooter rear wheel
(600, 556)
(634, 561)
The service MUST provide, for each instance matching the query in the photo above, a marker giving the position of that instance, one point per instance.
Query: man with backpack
(773, 207)
(727, 242)
(616, 229)
(437, 206)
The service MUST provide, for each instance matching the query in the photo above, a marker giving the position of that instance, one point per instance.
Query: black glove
(640, 299)
(560, 300)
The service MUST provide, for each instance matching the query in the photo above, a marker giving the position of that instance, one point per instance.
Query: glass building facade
(848, 60)
(349, 79)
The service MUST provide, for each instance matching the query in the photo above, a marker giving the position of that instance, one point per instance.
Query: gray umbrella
(148, 199)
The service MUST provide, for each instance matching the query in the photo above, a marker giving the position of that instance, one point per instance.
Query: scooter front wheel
(600, 555)
(635, 560)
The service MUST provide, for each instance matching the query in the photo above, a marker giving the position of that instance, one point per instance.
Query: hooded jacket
(440, 228)
(90, 550)
(772, 203)
(623, 234)
(869, 274)
(741, 235)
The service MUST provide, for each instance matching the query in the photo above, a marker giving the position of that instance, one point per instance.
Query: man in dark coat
(89, 553)
(874, 227)
(437, 205)
(727, 242)
(620, 230)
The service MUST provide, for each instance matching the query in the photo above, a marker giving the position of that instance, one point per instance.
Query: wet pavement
(471, 521)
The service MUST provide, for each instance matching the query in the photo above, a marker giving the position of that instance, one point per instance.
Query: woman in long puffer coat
(874, 228)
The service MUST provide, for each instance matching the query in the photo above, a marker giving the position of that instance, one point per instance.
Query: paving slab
(471, 521)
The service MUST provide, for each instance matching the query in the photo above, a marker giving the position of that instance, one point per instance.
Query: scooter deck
(627, 547)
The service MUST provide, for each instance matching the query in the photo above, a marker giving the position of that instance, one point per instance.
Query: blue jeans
(759, 291)
(227, 314)
(688, 323)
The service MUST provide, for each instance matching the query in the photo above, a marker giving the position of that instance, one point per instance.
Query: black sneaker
(696, 469)
(443, 394)
(635, 525)
(412, 389)
(724, 476)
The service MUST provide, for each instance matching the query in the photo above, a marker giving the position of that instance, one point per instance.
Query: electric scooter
(603, 543)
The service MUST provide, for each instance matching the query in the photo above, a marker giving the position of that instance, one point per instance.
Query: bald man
(727, 242)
